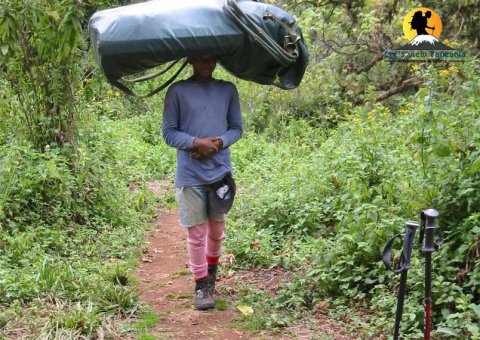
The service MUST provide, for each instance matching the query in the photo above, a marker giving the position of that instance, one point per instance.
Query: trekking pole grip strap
(407, 249)
(387, 251)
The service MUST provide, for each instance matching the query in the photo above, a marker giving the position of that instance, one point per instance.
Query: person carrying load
(253, 41)
(201, 120)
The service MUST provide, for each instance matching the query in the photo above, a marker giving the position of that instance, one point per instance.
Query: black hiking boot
(203, 296)
(212, 277)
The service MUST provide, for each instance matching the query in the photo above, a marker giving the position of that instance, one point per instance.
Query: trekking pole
(403, 267)
(428, 218)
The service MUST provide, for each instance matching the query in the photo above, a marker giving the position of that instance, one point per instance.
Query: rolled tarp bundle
(254, 41)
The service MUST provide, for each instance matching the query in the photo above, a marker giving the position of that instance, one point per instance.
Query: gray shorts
(193, 206)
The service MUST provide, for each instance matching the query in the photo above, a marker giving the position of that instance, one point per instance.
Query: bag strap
(127, 91)
(153, 75)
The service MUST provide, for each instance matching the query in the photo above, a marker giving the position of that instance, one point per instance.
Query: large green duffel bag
(254, 41)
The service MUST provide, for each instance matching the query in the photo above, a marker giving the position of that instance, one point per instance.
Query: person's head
(203, 66)
(428, 14)
(418, 14)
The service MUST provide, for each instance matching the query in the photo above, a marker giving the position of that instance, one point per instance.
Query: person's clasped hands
(205, 147)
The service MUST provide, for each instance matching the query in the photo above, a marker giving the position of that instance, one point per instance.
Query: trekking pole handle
(407, 248)
(408, 240)
(429, 216)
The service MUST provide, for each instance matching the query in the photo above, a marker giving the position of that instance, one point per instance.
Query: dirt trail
(167, 286)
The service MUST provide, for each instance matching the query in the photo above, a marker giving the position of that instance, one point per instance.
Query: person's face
(203, 66)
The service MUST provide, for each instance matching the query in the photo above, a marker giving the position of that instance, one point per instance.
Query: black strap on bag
(126, 90)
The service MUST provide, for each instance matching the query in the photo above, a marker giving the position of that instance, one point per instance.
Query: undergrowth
(326, 211)
(72, 235)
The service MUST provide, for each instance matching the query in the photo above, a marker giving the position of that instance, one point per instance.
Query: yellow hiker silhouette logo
(422, 21)
(422, 28)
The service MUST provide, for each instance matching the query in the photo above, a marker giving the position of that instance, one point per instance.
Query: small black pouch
(222, 194)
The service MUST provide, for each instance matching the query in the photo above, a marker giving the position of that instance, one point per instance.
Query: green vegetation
(147, 320)
(326, 174)
(221, 304)
(68, 260)
(325, 212)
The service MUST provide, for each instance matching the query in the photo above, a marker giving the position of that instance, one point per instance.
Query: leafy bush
(332, 207)
(70, 234)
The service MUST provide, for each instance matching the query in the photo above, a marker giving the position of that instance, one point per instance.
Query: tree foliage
(40, 41)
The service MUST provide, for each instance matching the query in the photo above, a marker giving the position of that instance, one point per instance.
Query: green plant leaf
(245, 310)
(446, 331)
(475, 165)
(476, 309)
(442, 150)
(88, 92)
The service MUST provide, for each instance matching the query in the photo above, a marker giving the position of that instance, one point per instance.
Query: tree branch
(376, 58)
(460, 29)
(314, 3)
(396, 89)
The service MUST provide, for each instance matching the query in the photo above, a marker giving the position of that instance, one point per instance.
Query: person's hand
(204, 148)
(218, 142)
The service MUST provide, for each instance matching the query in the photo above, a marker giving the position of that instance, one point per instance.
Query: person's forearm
(232, 135)
(178, 139)
(234, 118)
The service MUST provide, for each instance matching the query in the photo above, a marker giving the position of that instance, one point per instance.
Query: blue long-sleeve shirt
(201, 109)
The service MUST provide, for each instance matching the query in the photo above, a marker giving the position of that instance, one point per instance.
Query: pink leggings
(204, 245)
